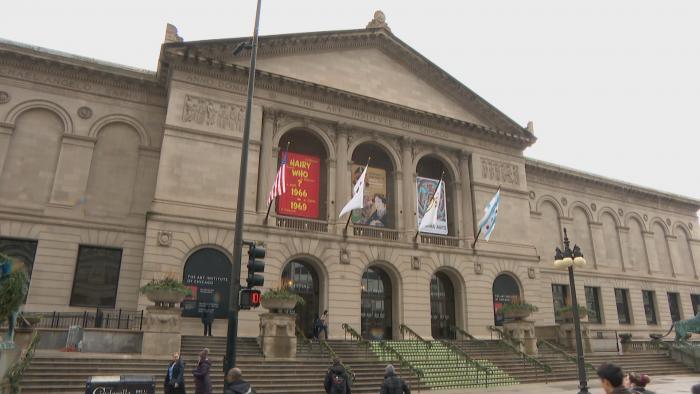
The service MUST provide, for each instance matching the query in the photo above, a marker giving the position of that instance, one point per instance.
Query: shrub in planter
(281, 299)
(567, 312)
(166, 292)
(625, 337)
(517, 310)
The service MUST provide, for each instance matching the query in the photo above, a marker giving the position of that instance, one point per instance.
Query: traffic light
(249, 298)
(254, 265)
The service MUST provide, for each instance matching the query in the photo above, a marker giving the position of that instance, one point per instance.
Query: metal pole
(583, 383)
(230, 358)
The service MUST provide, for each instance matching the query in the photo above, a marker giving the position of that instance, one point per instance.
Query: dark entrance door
(208, 274)
(442, 306)
(376, 304)
(505, 291)
(301, 279)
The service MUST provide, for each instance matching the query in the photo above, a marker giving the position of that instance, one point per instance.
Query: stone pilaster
(672, 257)
(409, 188)
(6, 130)
(623, 239)
(466, 198)
(652, 260)
(267, 159)
(342, 175)
(73, 169)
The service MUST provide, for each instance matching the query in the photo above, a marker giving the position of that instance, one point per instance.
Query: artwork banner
(374, 206)
(303, 184)
(425, 188)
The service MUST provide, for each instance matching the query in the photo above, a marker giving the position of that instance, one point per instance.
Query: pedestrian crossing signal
(249, 298)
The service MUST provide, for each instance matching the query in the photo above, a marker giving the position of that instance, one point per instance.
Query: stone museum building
(112, 176)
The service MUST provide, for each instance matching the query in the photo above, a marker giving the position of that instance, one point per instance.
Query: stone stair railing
(686, 354)
(544, 343)
(505, 341)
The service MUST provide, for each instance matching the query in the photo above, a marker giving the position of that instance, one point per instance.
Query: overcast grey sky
(613, 87)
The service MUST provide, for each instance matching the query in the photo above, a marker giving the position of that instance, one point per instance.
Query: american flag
(279, 187)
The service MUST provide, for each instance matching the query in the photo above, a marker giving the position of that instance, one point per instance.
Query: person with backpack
(337, 379)
(393, 384)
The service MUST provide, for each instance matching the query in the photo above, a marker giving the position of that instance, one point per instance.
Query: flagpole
(415, 237)
(273, 200)
(345, 230)
(479, 232)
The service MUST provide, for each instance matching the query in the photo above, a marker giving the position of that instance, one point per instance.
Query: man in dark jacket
(393, 384)
(202, 380)
(175, 376)
(235, 383)
(337, 380)
(611, 378)
(207, 319)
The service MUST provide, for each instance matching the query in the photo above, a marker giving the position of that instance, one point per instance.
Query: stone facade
(102, 155)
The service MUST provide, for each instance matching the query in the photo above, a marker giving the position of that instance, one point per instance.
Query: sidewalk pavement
(669, 384)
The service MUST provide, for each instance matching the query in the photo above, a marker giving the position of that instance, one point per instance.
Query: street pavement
(660, 385)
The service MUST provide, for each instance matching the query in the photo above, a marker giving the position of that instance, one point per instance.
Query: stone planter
(279, 304)
(165, 298)
(517, 314)
(569, 315)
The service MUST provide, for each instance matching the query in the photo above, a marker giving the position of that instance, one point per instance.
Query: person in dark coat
(337, 380)
(235, 383)
(612, 379)
(393, 384)
(638, 383)
(175, 376)
(207, 319)
(202, 380)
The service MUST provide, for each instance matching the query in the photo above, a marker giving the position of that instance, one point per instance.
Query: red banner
(303, 179)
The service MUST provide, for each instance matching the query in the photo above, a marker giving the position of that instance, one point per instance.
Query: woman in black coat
(202, 380)
(175, 376)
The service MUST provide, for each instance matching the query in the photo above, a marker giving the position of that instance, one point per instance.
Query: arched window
(301, 278)
(548, 234)
(429, 170)
(663, 260)
(207, 273)
(442, 306)
(685, 266)
(505, 291)
(113, 171)
(637, 248)
(376, 304)
(380, 202)
(306, 176)
(30, 163)
(612, 241)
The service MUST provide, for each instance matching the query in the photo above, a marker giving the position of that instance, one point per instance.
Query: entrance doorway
(208, 274)
(376, 304)
(442, 306)
(505, 291)
(301, 279)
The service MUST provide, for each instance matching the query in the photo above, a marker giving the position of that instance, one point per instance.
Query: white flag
(488, 222)
(430, 217)
(358, 195)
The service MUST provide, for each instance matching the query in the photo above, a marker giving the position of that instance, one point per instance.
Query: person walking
(611, 377)
(639, 382)
(317, 326)
(202, 380)
(393, 384)
(207, 319)
(323, 325)
(337, 380)
(235, 383)
(175, 376)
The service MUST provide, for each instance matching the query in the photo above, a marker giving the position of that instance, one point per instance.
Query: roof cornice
(534, 166)
(382, 39)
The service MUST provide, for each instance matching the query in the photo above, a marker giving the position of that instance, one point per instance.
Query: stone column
(267, 159)
(277, 336)
(598, 243)
(623, 240)
(6, 130)
(342, 175)
(467, 204)
(672, 256)
(409, 185)
(650, 246)
(161, 331)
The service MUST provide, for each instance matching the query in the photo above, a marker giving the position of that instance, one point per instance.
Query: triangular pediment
(368, 62)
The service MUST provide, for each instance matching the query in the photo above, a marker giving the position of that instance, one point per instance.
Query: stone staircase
(443, 368)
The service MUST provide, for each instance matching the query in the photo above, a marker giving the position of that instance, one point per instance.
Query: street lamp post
(568, 258)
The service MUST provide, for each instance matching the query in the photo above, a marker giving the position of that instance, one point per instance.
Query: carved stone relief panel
(212, 113)
(498, 172)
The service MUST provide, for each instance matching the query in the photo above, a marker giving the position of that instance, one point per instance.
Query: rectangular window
(695, 299)
(96, 277)
(649, 298)
(623, 309)
(560, 297)
(674, 306)
(593, 304)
